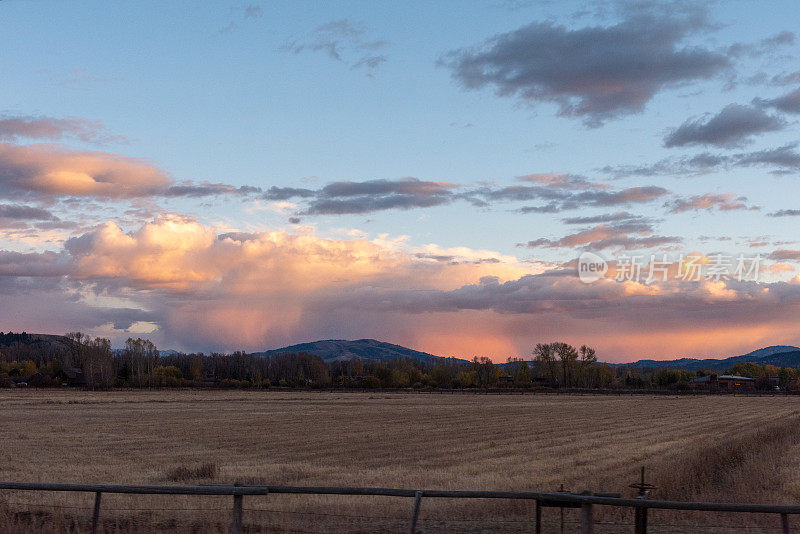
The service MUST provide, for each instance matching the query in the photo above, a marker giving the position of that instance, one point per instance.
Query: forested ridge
(36, 360)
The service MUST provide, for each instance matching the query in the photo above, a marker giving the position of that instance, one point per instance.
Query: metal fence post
(640, 514)
(412, 529)
(538, 517)
(785, 523)
(236, 520)
(96, 514)
(587, 520)
(640, 520)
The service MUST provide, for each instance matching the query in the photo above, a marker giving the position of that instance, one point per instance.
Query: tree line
(91, 363)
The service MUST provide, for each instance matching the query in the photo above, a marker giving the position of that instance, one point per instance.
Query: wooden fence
(585, 501)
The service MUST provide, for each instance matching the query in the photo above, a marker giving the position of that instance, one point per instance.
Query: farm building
(724, 382)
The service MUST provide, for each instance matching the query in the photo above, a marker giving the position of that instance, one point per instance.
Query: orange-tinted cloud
(51, 170)
(263, 290)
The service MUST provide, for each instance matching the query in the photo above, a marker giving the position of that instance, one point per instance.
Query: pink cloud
(262, 290)
(50, 170)
(707, 201)
(13, 128)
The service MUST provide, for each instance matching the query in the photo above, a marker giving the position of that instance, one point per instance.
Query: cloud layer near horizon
(201, 288)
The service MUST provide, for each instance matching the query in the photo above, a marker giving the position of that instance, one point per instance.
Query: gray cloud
(598, 72)
(547, 208)
(604, 218)
(625, 196)
(34, 264)
(784, 159)
(788, 103)
(366, 204)
(244, 13)
(686, 166)
(253, 12)
(16, 211)
(785, 213)
(370, 63)
(764, 46)
(346, 197)
(559, 192)
(731, 127)
(342, 40)
(560, 292)
(562, 181)
(19, 217)
(406, 186)
(191, 189)
(562, 199)
(378, 195)
(783, 254)
(286, 193)
(785, 78)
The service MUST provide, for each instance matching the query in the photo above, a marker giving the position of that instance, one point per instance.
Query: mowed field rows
(704, 447)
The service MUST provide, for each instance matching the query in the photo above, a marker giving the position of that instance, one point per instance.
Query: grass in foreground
(702, 448)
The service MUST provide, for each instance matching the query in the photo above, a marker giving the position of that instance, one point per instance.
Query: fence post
(640, 514)
(236, 520)
(640, 521)
(412, 529)
(785, 523)
(538, 517)
(96, 514)
(587, 521)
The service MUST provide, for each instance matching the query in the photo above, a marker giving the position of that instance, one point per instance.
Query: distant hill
(783, 359)
(340, 349)
(40, 343)
(780, 355)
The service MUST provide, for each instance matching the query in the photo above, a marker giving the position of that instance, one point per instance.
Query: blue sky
(306, 94)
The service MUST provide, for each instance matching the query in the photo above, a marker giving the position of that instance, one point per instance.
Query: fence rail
(585, 501)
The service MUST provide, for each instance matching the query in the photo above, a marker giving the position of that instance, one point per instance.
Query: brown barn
(71, 376)
(725, 382)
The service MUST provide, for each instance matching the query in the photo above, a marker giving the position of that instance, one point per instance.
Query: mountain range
(778, 355)
(371, 349)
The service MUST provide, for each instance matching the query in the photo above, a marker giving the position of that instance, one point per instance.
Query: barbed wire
(404, 518)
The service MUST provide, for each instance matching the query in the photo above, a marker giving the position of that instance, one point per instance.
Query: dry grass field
(715, 448)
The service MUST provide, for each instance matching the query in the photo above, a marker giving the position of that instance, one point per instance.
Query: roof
(706, 378)
(734, 377)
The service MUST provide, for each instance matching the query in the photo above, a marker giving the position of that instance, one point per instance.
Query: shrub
(371, 382)
(168, 376)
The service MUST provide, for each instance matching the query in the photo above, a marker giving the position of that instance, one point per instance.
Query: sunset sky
(223, 176)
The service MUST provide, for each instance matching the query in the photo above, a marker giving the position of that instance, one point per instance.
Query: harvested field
(696, 447)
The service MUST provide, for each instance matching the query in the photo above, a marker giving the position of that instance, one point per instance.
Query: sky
(224, 176)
